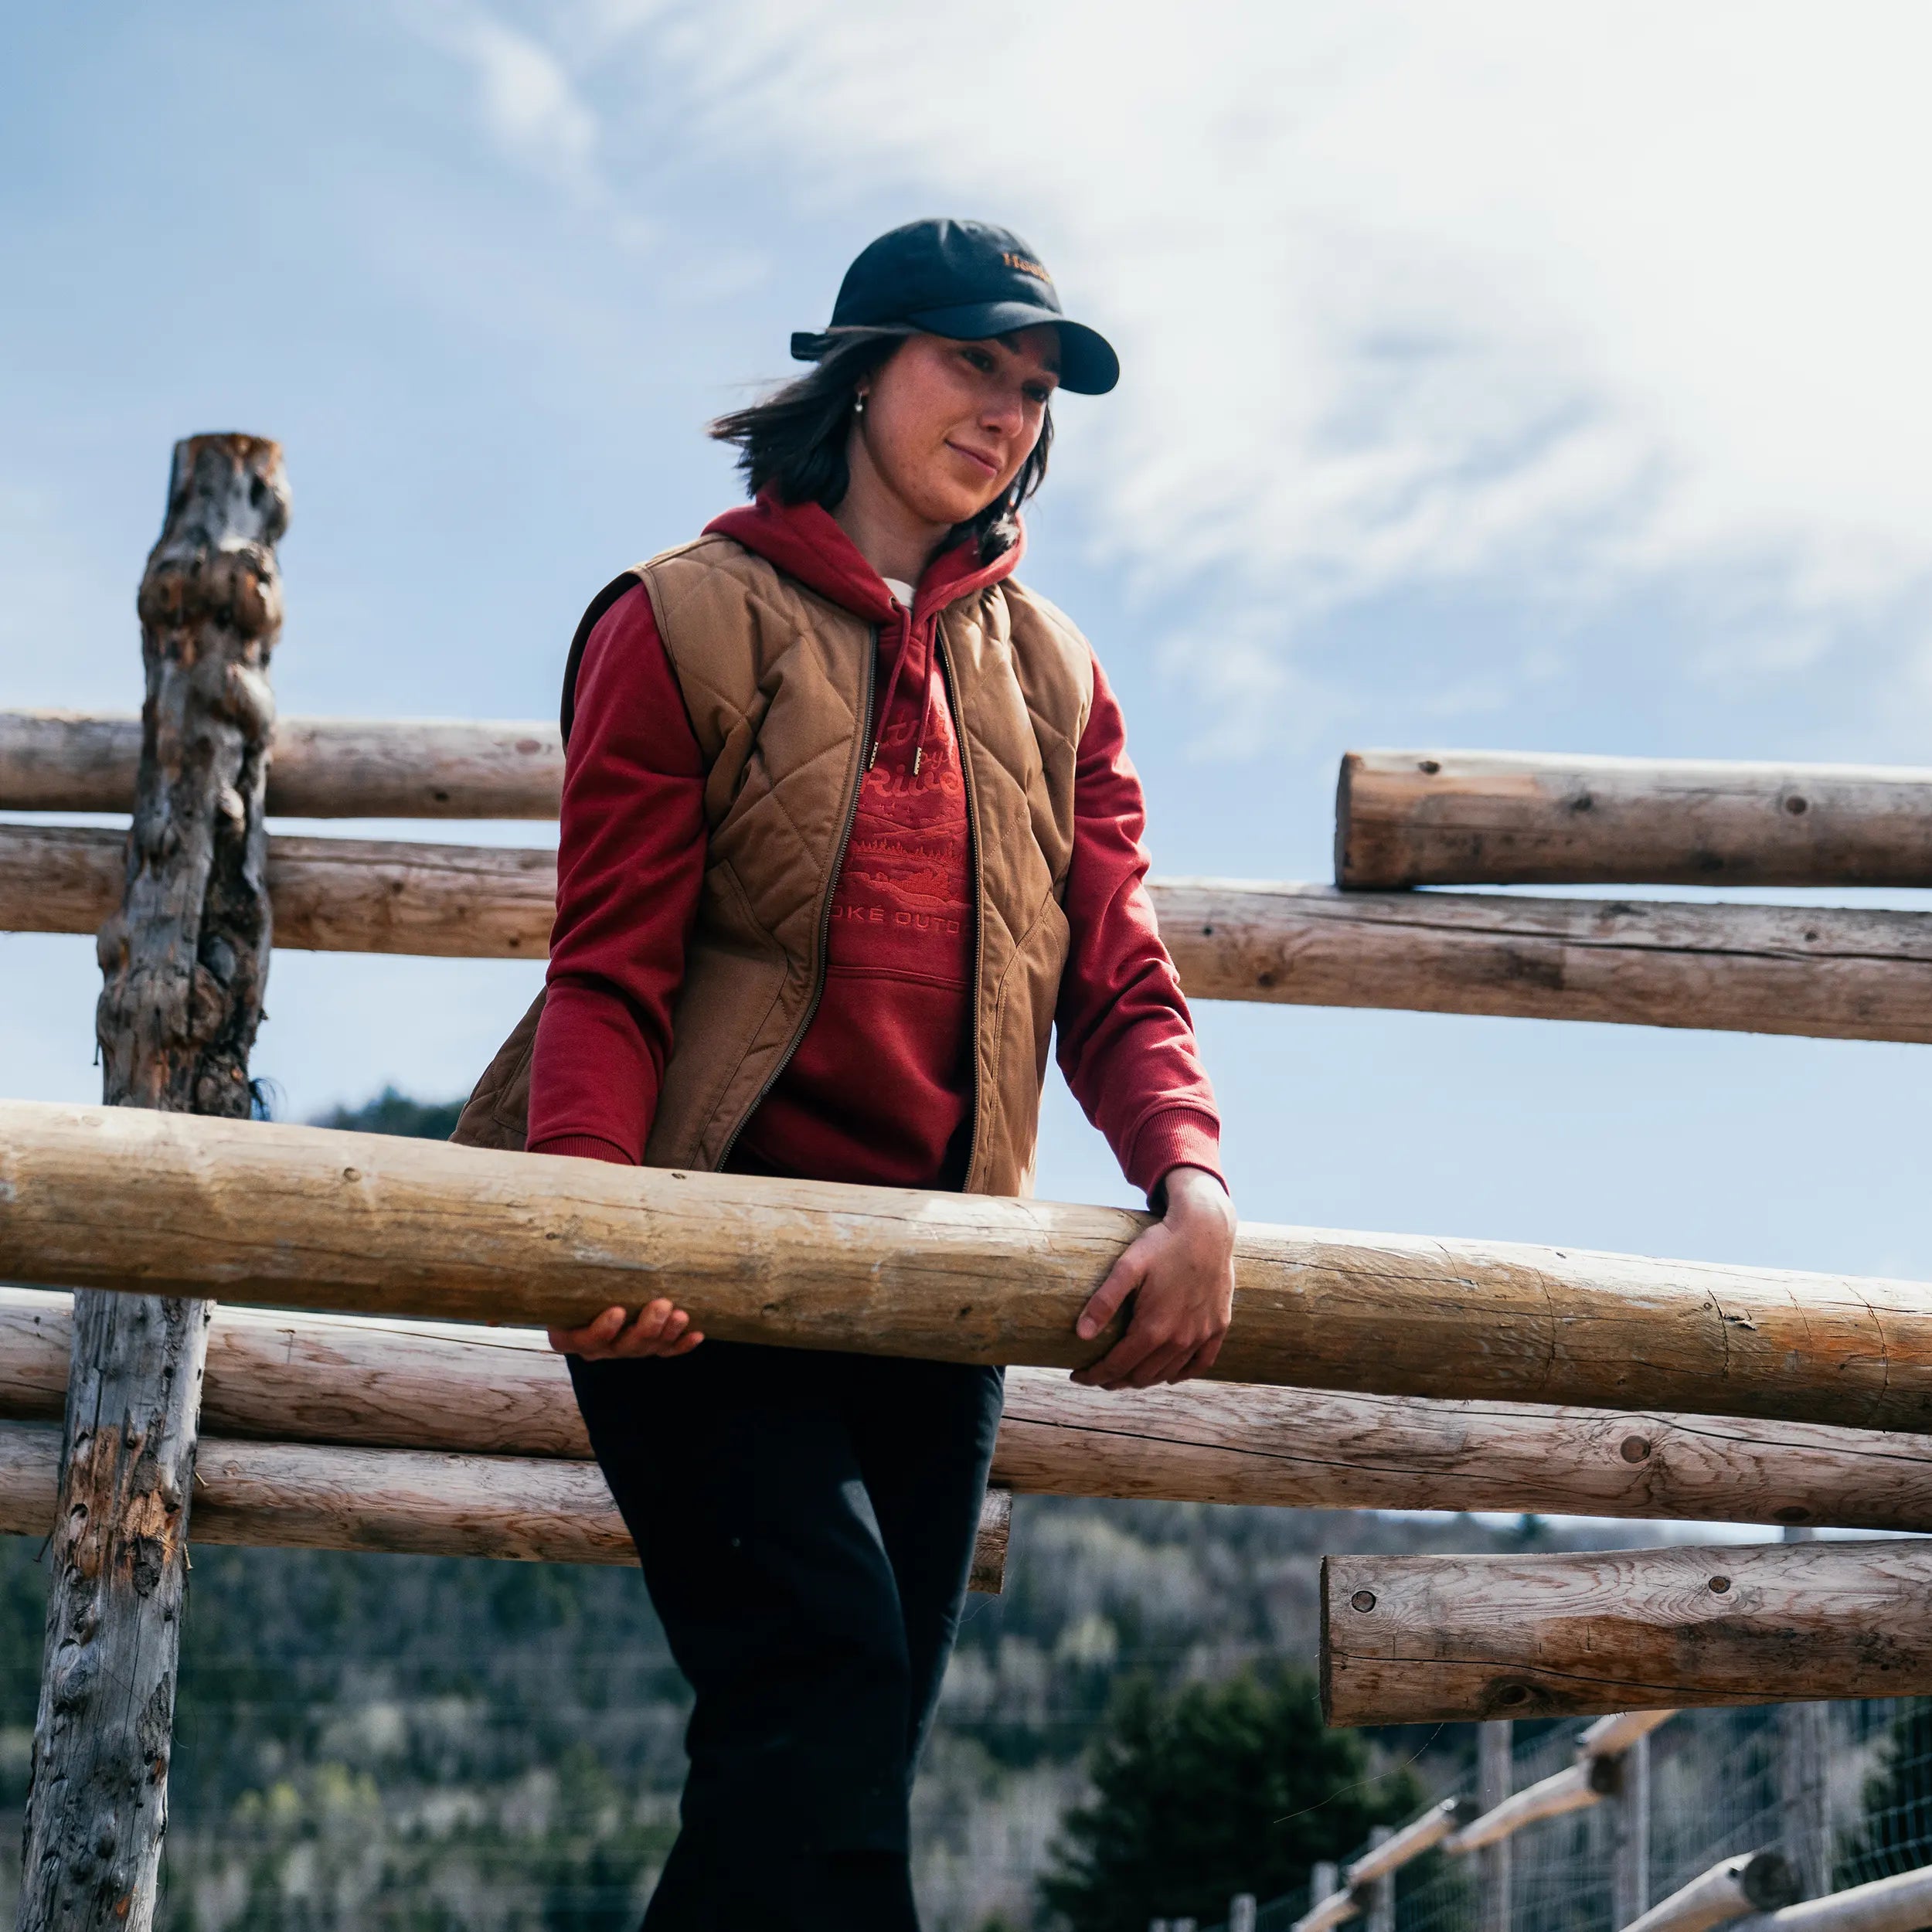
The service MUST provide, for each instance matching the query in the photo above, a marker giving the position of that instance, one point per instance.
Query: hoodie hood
(805, 542)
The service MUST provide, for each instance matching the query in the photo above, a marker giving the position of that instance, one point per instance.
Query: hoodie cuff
(1176, 1136)
(583, 1147)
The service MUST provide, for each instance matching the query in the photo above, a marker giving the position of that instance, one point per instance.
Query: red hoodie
(879, 1089)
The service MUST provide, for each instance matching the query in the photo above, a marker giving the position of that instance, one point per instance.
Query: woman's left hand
(1181, 1274)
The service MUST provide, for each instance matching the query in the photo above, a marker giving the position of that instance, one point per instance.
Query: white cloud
(525, 94)
(1575, 298)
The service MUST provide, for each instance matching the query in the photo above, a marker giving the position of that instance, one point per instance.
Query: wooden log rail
(1456, 1825)
(1407, 818)
(1900, 1903)
(1406, 1640)
(466, 1390)
(1830, 975)
(319, 767)
(372, 1224)
(1732, 1889)
(305, 1495)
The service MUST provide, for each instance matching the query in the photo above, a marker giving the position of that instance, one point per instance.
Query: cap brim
(1088, 364)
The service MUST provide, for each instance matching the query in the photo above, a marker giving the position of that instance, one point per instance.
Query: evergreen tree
(1210, 1789)
(1896, 1832)
(392, 1112)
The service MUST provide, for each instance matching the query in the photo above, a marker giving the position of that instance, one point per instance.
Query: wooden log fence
(1900, 1903)
(1459, 1827)
(1830, 975)
(465, 1389)
(318, 767)
(1405, 818)
(370, 1224)
(305, 1495)
(1732, 1889)
(1422, 1639)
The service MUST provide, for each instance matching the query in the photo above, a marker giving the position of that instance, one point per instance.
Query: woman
(848, 827)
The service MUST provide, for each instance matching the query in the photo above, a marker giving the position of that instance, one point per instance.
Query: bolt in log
(184, 959)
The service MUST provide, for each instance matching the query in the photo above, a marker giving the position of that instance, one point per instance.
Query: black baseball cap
(966, 281)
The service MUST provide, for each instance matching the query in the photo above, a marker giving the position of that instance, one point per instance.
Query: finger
(1202, 1360)
(1122, 1278)
(1120, 1362)
(685, 1343)
(592, 1337)
(641, 1336)
(1160, 1366)
(663, 1335)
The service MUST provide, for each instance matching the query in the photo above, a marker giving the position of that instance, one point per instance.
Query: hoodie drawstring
(892, 690)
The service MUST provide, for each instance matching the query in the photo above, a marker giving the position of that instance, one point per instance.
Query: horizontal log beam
(1900, 1903)
(319, 767)
(299, 1495)
(1406, 1640)
(330, 895)
(1611, 1737)
(1572, 1789)
(1733, 1888)
(1404, 1847)
(1766, 969)
(396, 1384)
(1407, 818)
(290, 1216)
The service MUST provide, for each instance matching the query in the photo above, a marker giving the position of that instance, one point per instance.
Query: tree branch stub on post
(183, 958)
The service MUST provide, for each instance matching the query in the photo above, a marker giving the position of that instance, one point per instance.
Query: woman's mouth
(986, 462)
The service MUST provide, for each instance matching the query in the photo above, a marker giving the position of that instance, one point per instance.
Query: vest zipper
(979, 881)
(825, 911)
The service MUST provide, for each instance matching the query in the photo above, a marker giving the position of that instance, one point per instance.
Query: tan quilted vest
(777, 681)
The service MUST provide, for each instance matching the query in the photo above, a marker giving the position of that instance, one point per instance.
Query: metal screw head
(1362, 1600)
(1634, 1448)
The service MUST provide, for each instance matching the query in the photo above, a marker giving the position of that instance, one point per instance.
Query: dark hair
(793, 441)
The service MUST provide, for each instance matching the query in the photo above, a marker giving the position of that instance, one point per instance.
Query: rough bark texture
(1417, 1639)
(320, 768)
(372, 1224)
(301, 1495)
(183, 957)
(406, 1385)
(1830, 973)
(1502, 818)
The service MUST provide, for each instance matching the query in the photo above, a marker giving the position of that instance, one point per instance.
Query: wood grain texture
(1407, 1639)
(1832, 975)
(300, 1495)
(1407, 818)
(399, 1384)
(294, 1216)
(320, 768)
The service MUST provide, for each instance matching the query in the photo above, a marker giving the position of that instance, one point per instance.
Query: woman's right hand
(658, 1329)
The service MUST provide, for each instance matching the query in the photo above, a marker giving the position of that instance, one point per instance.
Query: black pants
(806, 1524)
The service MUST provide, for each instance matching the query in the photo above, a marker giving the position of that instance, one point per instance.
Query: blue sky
(1504, 377)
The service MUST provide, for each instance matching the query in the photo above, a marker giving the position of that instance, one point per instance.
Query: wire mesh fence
(1721, 1783)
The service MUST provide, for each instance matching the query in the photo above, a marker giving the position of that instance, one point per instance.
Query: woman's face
(948, 424)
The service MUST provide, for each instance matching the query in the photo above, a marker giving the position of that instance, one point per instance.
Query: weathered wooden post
(1495, 1773)
(1804, 1768)
(1630, 1834)
(1381, 1914)
(184, 960)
